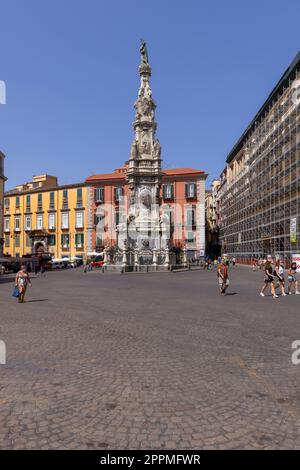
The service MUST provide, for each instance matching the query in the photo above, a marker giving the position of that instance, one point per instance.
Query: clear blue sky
(70, 67)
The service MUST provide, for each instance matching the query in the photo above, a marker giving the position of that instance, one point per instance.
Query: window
(51, 204)
(79, 240)
(117, 218)
(99, 195)
(51, 221)
(190, 237)
(79, 197)
(99, 241)
(39, 222)
(190, 190)
(99, 220)
(27, 222)
(190, 217)
(64, 220)
(17, 223)
(118, 193)
(6, 203)
(167, 216)
(65, 240)
(28, 202)
(17, 202)
(6, 224)
(51, 240)
(7, 240)
(17, 240)
(168, 191)
(65, 198)
(28, 241)
(40, 202)
(79, 219)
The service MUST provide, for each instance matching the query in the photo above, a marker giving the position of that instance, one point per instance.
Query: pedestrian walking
(22, 281)
(223, 276)
(292, 278)
(269, 279)
(233, 261)
(279, 275)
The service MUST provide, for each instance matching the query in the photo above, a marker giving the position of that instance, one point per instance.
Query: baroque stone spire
(144, 173)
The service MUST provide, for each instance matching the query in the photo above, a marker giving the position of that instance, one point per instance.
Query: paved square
(109, 361)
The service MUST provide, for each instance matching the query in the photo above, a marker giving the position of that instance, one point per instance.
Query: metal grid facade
(260, 202)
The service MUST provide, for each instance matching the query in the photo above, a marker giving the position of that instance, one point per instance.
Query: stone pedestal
(124, 255)
(136, 258)
(105, 256)
(185, 261)
(167, 258)
(154, 261)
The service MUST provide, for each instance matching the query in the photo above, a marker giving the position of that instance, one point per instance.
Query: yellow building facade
(42, 216)
(2, 180)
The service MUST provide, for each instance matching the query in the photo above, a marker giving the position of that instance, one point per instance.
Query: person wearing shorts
(279, 276)
(269, 279)
(292, 278)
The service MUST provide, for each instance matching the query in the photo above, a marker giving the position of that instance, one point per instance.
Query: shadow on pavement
(37, 300)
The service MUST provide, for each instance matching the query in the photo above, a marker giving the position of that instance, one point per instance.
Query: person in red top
(223, 276)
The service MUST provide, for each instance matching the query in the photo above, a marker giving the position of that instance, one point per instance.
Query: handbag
(16, 292)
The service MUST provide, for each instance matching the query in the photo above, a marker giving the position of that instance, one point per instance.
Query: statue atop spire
(144, 53)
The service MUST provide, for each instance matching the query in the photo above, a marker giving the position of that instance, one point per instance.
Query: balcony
(79, 247)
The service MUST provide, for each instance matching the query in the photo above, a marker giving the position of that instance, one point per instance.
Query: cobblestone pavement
(151, 361)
